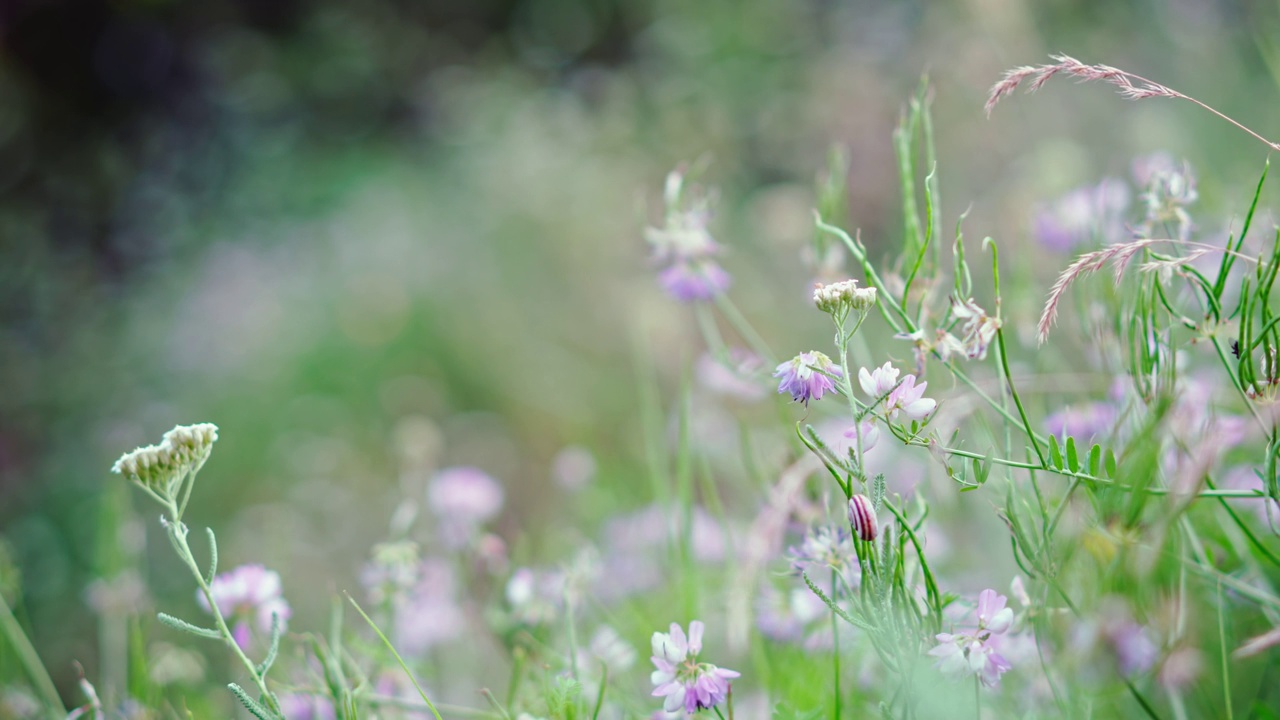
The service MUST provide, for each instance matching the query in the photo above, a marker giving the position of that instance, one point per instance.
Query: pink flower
(862, 518)
(975, 652)
(909, 399)
(463, 498)
(807, 376)
(249, 592)
(680, 678)
(879, 382)
(690, 280)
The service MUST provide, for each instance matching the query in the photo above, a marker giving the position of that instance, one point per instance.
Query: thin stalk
(11, 629)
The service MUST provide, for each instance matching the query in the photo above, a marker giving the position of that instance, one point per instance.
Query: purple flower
(1083, 422)
(880, 382)
(825, 548)
(296, 706)
(807, 376)
(429, 614)
(1083, 213)
(463, 498)
(691, 280)
(739, 376)
(867, 431)
(680, 678)
(908, 398)
(248, 593)
(975, 652)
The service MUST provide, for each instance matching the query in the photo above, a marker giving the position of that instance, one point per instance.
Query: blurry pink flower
(248, 593)
(692, 280)
(680, 678)
(869, 432)
(975, 652)
(738, 376)
(464, 496)
(573, 468)
(297, 706)
(429, 615)
(1083, 422)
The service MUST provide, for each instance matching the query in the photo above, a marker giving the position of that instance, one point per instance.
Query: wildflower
(428, 615)
(840, 297)
(880, 382)
(307, 707)
(737, 376)
(463, 498)
(686, 244)
(249, 592)
(392, 570)
(608, 648)
(866, 432)
(1084, 422)
(787, 617)
(573, 468)
(979, 328)
(862, 517)
(679, 676)
(909, 399)
(807, 376)
(826, 548)
(1083, 213)
(690, 280)
(976, 652)
(162, 468)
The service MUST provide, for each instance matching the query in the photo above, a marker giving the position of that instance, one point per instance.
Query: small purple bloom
(908, 398)
(1083, 422)
(248, 593)
(807, 376)
(463, 498)
(1083, 213)
(686, 683)
(975, 652)
(692, 280)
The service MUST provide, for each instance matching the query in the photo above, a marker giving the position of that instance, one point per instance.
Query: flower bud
(840, 297)
(862, 517)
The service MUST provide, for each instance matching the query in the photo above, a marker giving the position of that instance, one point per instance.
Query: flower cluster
(249, 593)
(900, 396)
(684, 243)
(686, 683)
(161, 468)
(463, 498)
(837, 299)
(975, 652)
(807, 376)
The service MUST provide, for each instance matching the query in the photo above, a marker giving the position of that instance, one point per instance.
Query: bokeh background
(351, 233)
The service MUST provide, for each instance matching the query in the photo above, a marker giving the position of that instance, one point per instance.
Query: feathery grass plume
(1132, 87)
(1119, 255)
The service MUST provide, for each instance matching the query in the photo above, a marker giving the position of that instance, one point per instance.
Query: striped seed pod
(862, 517)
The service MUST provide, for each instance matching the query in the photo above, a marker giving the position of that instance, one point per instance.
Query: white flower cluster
(183, 449)
(840, 297)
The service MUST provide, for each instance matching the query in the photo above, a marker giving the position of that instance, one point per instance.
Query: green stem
(835, 651)
(178, 534)
(30, 661)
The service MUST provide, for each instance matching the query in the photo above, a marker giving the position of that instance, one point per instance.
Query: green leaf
(1055, 452)
(1073, 459)
(1095, 460)
(1110, 464)
(253, 706)
(177, 624)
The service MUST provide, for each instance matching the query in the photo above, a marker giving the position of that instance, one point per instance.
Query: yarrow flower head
(162, 468)
(975, 652)
(686, 246)
(686, 683)
(838, 298)
(807, 376)
(249, 593)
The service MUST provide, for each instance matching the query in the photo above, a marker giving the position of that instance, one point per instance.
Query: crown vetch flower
(807, 376)
(909, 399)
(690, 280)
(248, 593)
(686, 683)
(879, 382)
(976, 652)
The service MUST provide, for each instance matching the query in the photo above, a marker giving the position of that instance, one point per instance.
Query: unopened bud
(862, 517)
(842, 296)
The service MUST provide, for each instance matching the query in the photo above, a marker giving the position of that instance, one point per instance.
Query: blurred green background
(318, 223)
